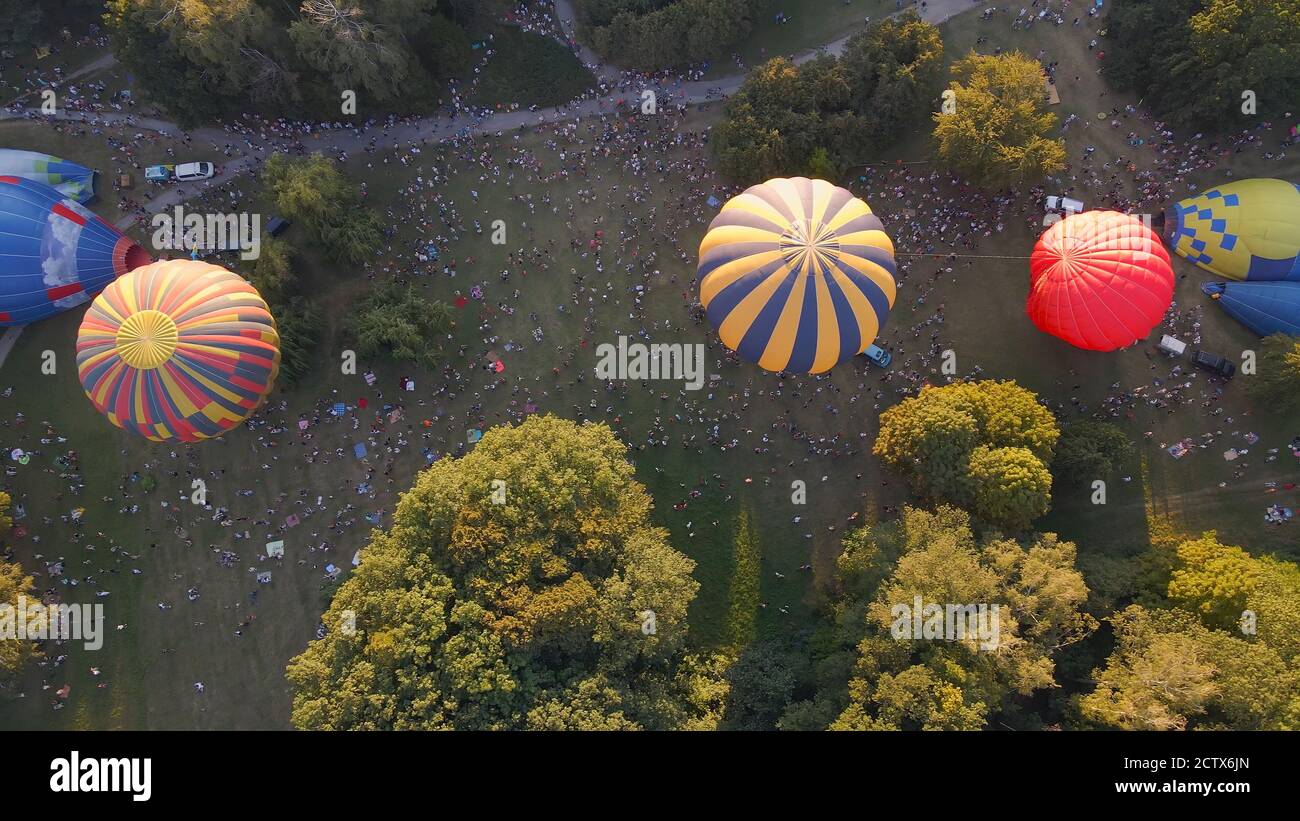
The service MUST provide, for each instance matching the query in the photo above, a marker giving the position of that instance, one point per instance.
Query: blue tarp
(360, 450)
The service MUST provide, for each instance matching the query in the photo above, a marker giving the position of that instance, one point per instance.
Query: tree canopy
(1089, 450)
(826, 115)
(312, 189)
(984, 446)
(201, 58)
(944, 682)
(1193, 60)
(999, 132)
(1275, 385)
(650, 35)
(14, 654)
(395, 321)
(563, 607)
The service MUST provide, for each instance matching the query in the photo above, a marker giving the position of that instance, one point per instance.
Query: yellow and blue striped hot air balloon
(796, 275)
(178, 350)
(1245, 230)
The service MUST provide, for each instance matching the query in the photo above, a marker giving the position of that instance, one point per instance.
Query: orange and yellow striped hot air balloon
(179, 350)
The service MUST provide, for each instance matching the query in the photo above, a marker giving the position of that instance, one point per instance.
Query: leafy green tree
(397, 322)
(1089, 450)
(998, 133)
(902, 681)
(298, 322)
(166, 73)
(962, 443)
(1275, 385)
(768, 675)
(829, 113)
(272, 272)
(313, 190)
(352, 42)
(1213, 580)
(1170, 672)
(1011, 486)
(533, 613)
(1193, 60)
(6, 520)
(672, 34)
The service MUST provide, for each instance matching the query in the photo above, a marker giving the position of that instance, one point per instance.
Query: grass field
(245, 688)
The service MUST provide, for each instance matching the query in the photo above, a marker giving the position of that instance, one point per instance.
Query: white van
(187, 172)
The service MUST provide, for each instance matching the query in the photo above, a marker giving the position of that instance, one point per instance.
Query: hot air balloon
(178, 350)
(54, 253)
(71, 180)
(1100, 280)
(1245, 230)
(1263, 307)
(796, 275)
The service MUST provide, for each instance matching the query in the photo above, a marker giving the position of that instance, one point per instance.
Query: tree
(298, 322)
(963, 443)
(1010, 486)
(272, 272)
(396, 322)
(998, 132)
(905, 681)
(1088, 451)
(6, 519)
(1212, 580)
(562, 608)
(14, 653)
(673, 34)
(829, 113)
(313, 190)
(1276, 382)
(1194, 60)
(1170, 672)
(349, 41)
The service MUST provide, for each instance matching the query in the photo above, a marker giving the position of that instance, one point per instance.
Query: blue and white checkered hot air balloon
(796, 275)
(68, 178)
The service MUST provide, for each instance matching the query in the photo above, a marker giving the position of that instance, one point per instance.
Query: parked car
(878, 355)
(189, 171)
(276, 226)
(158, 173)
(1065, 204)
(1215, 364)
(1172, 345)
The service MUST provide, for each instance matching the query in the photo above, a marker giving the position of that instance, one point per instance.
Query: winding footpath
(439, 128)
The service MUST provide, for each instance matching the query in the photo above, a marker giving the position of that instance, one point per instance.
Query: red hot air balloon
(1100, 280)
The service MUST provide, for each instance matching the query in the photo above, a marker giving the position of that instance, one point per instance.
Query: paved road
(443, 127)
